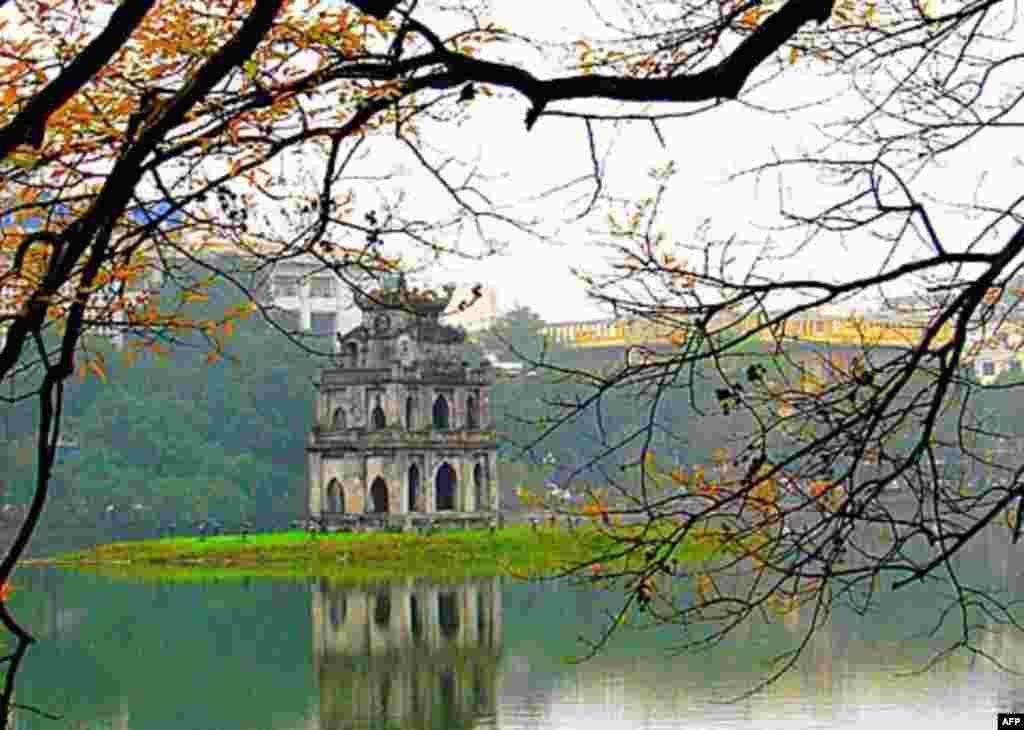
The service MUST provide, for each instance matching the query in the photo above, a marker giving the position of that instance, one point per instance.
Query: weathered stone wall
(315, 478)
(355, 453)
(351, 472)
(392, 408)
(330, 400)
(356, 473)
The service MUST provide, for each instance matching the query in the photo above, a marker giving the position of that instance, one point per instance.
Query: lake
(487, 653)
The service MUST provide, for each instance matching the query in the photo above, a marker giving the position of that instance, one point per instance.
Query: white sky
(705, 148)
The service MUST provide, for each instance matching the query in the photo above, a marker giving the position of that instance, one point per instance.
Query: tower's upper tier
(423, 302)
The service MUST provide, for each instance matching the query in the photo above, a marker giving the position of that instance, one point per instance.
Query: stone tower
(402, 433)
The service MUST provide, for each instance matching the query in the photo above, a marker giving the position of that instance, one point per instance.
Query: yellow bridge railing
(845, 332)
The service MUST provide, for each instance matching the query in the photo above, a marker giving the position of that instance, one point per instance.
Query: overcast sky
(706, 149)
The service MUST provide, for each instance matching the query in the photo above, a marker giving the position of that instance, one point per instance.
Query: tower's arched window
(335, 497)
(352, 355)
(441, 412)
(379, 421)
(472, 412)
(340, 420)
(379, 496)
(414, 488)
(445, 486)
(410, 413)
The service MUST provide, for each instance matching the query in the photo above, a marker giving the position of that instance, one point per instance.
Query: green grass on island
(515, 550)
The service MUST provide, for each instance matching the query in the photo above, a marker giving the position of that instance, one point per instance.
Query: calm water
(487, 653)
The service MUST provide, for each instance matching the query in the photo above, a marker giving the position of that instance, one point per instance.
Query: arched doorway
(379, 496)
(410, 413)
(478, 487)
(340, 420)
(441, 412)
(335, 497)
(445, 487)
(472, 412)
(414, 488)
(379, 421)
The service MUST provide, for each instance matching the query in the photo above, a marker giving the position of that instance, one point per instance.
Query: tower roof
(424, 302)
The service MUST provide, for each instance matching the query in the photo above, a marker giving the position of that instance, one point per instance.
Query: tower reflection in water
(409, 654)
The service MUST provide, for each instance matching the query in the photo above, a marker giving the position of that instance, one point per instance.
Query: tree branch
(722, 81)
(29, 126)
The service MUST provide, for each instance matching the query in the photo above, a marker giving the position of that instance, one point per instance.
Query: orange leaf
(752, 18)
(95, 367)
(705, 589)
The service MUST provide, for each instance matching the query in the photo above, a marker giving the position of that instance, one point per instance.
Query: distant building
(991, 358)
(311, 298)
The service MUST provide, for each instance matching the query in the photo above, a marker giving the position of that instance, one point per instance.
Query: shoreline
(523, 551)
(516, 550)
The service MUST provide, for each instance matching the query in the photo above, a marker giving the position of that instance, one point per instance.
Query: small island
(528, 550)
